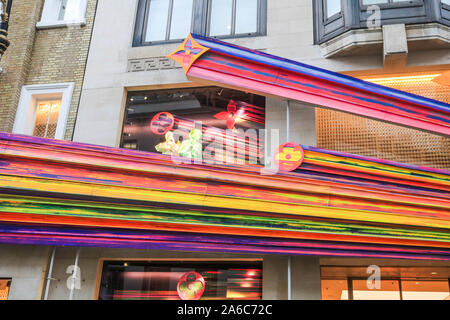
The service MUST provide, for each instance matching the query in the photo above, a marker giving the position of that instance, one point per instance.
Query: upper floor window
(332, 7)
(161, 21)
(62, 12)
(335, 17)
(43, 110)
(233, 17)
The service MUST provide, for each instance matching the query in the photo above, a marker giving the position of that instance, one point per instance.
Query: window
(160, 21)
(370, 2)
(43, 110)
(181, 280)
(227, 121)
(57, 13)
(396, 283)
(168, 19)
(5, 285)
(332, 7)
(233, 17)
(333, 19)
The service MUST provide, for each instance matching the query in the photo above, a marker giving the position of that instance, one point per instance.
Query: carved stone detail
(151, 64)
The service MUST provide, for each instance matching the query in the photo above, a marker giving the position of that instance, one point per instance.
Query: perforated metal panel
(354, 134)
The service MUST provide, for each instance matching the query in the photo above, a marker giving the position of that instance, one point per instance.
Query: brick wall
(45, 56)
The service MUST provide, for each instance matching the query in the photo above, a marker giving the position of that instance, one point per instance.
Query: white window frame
(31, 94)
(49, 18)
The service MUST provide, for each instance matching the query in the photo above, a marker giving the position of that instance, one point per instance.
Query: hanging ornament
(289, 156)
(162, 123)
(191, 286)
(231, 115)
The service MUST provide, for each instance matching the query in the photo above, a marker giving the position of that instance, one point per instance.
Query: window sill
(226, 37)
(364, 41)
(60, 24)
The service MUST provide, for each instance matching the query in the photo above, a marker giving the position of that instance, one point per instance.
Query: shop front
(202, 174)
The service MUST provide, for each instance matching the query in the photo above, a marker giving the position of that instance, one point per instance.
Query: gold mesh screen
(4, 289)
(354, 134)
(47, 114)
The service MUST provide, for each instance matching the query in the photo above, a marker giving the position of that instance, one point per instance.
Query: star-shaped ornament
(189, 51)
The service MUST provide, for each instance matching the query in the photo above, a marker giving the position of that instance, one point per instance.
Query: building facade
(120, 84)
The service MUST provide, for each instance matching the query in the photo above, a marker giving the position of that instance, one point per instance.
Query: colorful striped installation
(333, 204)
(240, 68)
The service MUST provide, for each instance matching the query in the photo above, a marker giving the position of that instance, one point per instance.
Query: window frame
(261, 22)
(354, 16)
(26, 111)
(168, 23)
(445, 6)
(332, 18)
(199, 25)
(392, 5)
(50, 20)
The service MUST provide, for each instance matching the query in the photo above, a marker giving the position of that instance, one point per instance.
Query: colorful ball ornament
(289, 156)
(162, 123)
(191, 286)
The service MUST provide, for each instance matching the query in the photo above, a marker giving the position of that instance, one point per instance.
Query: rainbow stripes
(232, 66)
(66, 193)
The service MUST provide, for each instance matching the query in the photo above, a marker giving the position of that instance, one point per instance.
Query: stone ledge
(60, 24)
(370, 41)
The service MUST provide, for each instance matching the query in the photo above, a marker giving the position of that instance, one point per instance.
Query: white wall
(26, 265)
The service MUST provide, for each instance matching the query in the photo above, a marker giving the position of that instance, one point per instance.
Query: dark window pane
(157, 20)
(246, 16)
(175, 280)
(161, 120)
(181, 19)
(220, 20)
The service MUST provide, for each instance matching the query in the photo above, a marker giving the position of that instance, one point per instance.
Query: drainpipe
(49, 276)
(75, 274)
(288, 138)
(288, 121)
(289, 274)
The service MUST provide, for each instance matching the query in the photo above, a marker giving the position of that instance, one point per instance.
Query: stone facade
(42, 56)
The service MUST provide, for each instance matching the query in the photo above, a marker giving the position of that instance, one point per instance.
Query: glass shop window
(5, 285)
(208, 124)
(181, 280)
(395, 283)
